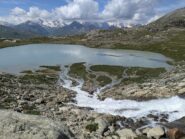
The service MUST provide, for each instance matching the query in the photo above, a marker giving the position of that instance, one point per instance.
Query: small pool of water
(25, 57)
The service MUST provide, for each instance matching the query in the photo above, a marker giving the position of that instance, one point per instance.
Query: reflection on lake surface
(16, 59)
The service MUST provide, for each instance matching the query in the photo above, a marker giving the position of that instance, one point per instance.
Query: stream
(172, 107)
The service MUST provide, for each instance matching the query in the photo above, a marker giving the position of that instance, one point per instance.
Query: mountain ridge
(173, 19)
(40, 29)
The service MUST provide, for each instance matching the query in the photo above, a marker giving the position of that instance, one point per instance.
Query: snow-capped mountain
(57, 28)
(50, 23)
(42, 27)
(60, 23)
(116, 24)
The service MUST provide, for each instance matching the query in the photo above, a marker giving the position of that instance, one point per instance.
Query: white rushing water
(174, 106)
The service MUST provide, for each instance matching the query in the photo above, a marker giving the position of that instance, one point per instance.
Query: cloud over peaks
(119, 11)
(78, 9)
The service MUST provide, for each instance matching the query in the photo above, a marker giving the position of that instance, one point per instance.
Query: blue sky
(128, 11)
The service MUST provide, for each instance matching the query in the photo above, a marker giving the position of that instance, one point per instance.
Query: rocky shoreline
(42, 95)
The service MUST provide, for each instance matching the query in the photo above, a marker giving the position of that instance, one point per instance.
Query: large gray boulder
(126, 134)
(155, 132)
(15, 125)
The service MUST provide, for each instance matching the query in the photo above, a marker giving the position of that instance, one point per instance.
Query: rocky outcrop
(14, 125)
(33, 94)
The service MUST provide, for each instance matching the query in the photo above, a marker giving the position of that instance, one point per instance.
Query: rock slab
(15, 125)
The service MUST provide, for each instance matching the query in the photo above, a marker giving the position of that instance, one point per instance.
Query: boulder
(155, 132)
(39, 101)
(15, 125)
(126, 134)
(138, 132)
(181, 91)
(145, 131)
(182, 84)
(175, 133)
(102, 125)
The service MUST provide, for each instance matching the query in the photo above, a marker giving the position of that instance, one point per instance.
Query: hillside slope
(165, 36)
(9, 32)
(173, 19)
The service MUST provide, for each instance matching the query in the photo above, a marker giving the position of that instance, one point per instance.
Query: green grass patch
(32, 112)
(46, 71)
(38, 79)
(27, 72)
(55, 68)
(78, 70)
(92, 127)
(140, 75)
(104, 80)
(112, 70)
(145, 72)
(173, 47)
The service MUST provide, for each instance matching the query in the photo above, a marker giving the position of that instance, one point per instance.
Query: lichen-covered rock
(15, 125)
(102, 125)
(155, 132)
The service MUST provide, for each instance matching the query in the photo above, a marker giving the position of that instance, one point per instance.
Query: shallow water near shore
(27, 57)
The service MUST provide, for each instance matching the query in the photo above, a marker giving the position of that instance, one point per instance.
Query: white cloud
(18, 11)
(131, 11)
(115, 11)
(19, 15)
(35, 12)
(78, 9)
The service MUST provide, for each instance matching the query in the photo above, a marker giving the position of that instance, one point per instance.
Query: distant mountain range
(43, 28)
